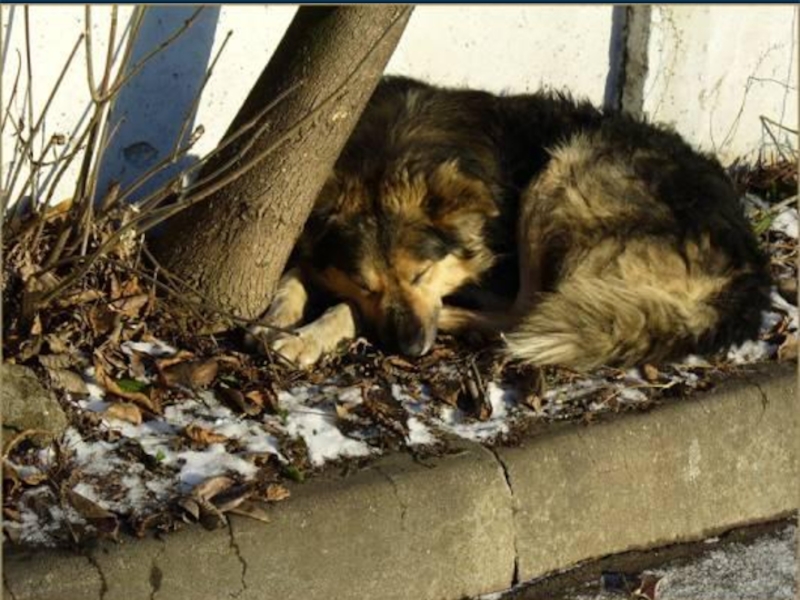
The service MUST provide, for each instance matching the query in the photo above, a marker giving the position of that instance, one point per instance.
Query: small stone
(27, 405)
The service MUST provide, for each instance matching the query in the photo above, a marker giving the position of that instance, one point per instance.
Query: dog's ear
(340, 196)
(454, 196)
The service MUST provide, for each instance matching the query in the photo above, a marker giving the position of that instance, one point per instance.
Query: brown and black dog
(581, 238)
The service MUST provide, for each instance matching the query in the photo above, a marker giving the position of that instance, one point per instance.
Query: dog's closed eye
(417, 279)
(361, 283)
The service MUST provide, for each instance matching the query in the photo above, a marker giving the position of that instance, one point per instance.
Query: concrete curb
(474, 521)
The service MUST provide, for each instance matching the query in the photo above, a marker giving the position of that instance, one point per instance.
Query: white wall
(713, 70)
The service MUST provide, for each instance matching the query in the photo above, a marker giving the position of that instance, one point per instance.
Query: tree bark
(233, 245)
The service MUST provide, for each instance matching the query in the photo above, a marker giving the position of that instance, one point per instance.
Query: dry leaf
(446, 390)
(102, 319)
(203, 436)
(130, 306)
(179, 357)
(130, 287)
(191, 374)
(788, 349)
(55, 361)
(77, 298)
(15, 475)
(139, 398)
(263, 398)
(124, 411)
(67, 380)
(648, 589)
(59, 343)
(238, 401)
(199, 503)
(251, 510)
(650, 372)
(106, 522)
(276, 492)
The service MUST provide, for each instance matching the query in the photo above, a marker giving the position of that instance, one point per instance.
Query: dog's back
(634, 248)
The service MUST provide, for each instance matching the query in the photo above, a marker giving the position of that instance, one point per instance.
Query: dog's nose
(413, 345)
(405, 332)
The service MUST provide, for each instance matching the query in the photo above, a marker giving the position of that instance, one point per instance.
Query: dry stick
(765, 123)
(29, 150)
(204, 302)
(96, 95)
(14, 88)
(68, 225)
(153, 279)
(66, 161)
(106, 139)
(155, 198)
(35, 166)
(167, 212)
(87, 180)
(196, 102)
(38, 125)
(5, 192)
(153, 53)
(778, 125)
(146, 204)
(176, 153)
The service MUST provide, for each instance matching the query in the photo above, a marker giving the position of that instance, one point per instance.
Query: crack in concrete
(103, 583)
(403, 505)
(235, 545)
(507, 478)
(763, 397)
(8, 588)
(156, 576)
(155, 579)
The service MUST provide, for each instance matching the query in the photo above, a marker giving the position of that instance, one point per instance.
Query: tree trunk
(233, 245)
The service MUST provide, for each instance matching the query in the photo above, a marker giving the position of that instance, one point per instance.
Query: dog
(577, 237)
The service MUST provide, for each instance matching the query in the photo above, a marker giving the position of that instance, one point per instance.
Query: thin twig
(14, 88)
(196, 102)
(31, 134)
(87, 37)
(203, 302)
(35, 130)
(121, 81)
(766, 127)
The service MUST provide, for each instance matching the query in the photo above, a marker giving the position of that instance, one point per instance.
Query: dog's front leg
(286, 310)
(307, 344)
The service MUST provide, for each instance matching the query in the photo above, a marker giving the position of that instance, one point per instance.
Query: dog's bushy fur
(583, 238)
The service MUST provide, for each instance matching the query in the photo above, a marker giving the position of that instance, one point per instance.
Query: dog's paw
(301, 349)
(257, 338)
(308, 343)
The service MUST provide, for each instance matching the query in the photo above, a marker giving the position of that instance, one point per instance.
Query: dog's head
(396, 247)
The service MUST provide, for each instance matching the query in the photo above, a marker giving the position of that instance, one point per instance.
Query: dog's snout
(405, 332)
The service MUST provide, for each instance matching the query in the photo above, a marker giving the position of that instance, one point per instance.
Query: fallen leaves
(210, 500)
(124, 411)
(276, 492)
(149, 402)
(192, 374)
(202, 436)
(788, 349)
(104, 521)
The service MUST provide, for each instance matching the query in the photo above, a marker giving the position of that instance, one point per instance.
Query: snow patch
(317, 427)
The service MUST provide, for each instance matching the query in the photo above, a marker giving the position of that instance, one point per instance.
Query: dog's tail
(589, 322)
